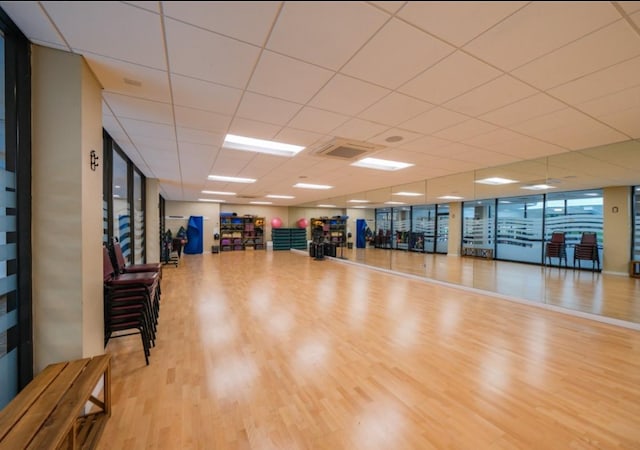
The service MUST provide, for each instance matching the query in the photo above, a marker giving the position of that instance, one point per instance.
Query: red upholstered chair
(587, 250)
(120, 264)
(556, 248)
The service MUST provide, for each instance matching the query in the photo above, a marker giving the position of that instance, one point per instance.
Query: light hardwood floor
(274, 350)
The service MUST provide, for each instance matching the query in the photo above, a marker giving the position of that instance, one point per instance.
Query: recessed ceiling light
(218, 193)
(407, 194)
(360, 207)
(538, 187)
(279, 196)
(231, 179)
(591, 194)
(381, 164)
(247, 144)
(358, 201)
(451, 197)
(326, 206)
(394, 203)
(261, 203)
(312, 186)
(392, 139)
(215, 200)
(496, 181)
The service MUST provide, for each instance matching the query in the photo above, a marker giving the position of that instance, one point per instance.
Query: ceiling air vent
(347, 149)
(250, 197)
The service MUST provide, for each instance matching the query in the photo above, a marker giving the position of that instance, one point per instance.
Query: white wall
(210, 213)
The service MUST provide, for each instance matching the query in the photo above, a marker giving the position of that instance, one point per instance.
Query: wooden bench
(50, 412)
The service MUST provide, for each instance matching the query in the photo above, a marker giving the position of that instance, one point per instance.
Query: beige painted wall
(67, 209)
(210, 213)
(152, 223)
(616, 238)
(455, 229)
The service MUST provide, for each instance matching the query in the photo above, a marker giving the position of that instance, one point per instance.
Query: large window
(636, 223)
(121, 205)
(519, 229)
(383, 228)
(478, 224)
(16, 360)
(423, 228)
(138, 217)
(442, 228)
(401, 225)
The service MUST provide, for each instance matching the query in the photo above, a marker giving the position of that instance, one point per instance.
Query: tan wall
(210, 213)
(67, 209)
(455, 229)
(617, 229)
(268, 212)
(152, 222)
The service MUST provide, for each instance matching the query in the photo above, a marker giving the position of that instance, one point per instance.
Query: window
(519, 229)
(478, 227)
(383, 228)
(401, 225)
(121, 206)
(636, 223)
(138, 217)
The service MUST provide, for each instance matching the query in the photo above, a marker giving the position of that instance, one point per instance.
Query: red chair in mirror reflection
(131, 302)
(556, 248)
(587, 250)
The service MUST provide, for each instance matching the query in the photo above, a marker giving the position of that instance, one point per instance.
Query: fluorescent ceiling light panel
(279, 196)
(326, 206)
(451, 197)
(231, 179)
(312, 186)
(538, 187)
(215, 200)
(358, 201)
(407, 194)
(381, 164)
(494, 181)
(394, 203)
(247, 144)
(261, 203)
(218, 193)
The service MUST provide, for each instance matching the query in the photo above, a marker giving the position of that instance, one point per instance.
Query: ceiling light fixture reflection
(215, 200)
(495, 181)
(279, 196)
(450, 197)
(407, 194)
(358, 201)
(231, 179)
(218, 192)
(247, 144)
(261, 203)
(538, 187)
(312, 186)
(394, 203)
(326, 206)
(381, 164)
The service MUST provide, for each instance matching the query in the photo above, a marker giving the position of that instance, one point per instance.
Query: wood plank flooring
(274, 350)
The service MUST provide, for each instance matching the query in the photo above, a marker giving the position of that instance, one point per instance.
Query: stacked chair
(587, 250)
(131, 301)
(556, 248)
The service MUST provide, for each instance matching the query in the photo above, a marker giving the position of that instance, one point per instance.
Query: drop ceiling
(466, 85)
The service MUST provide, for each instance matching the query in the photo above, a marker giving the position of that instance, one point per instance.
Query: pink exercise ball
(303, 223)
(276, 222)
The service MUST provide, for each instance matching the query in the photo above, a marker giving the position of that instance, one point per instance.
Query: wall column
(455, 229)
(616, 206)
(152, 220)
(67, 208)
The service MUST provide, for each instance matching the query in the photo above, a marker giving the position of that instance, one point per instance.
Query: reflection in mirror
(503, 217)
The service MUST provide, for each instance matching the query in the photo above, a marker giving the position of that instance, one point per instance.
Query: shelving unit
(241, 233)
(334, 229)
(288, 238)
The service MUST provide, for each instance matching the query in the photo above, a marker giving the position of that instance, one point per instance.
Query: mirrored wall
(489, 229)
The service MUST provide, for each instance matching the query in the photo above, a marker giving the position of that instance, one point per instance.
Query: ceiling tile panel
(193, 136)
(246, 21)
(620, 111)
(512, 143)
(336, 32)
(202, 120)
(347, 95)
(630, 7)
(433, 120)
(297, 137)
(390, 6)
(604, 82)
(426, 144)
(396, 54)
(457, 22)
(206, 51)
(31, 16)
(253, 128)
(204, 95)
(520, 38)
(317, 120)
(287, 78)
(135, 35)
(267, 109)
(135, 108)
(139, 128)
(451, 77)
(492, 95)
(393, 134)
(525, 109)
(465, 130)
(395, 108)
(608, 46)
(359, 129)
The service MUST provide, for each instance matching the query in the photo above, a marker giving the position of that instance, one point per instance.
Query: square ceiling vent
(347, 149)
